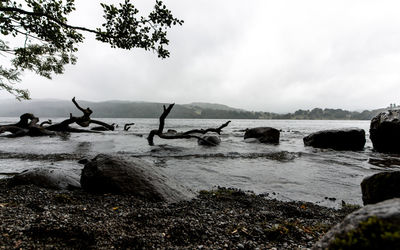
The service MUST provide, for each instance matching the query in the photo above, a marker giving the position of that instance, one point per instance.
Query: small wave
(281, 156)
(385, 162)
(41, 157)
(166, 148)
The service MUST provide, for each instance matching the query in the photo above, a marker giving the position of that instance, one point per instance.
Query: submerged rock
(263, 134)
(112, 174)
(385, 132)
(343, 139)
(48, 178)
(380, 187)
(371, 227)
(209, 140)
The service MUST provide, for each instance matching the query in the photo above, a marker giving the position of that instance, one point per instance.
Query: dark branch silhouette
(182, 135)
(49, 122)
(28, 124)
(42, 14)
(128, 126)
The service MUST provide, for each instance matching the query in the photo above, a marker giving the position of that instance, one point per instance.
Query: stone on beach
(113, 174)
(380, 187)
(48, 178)
(385, 132)
(263, 134)
(340, 139)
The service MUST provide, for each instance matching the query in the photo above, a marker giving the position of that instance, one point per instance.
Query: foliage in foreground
(49, 42)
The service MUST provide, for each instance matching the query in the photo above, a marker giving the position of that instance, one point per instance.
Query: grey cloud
(258, 55)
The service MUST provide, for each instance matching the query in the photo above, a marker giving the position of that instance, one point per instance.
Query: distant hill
(107, 109)
(126, 109)
(215, 106)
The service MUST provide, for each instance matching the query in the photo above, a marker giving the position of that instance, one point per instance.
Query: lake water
(288, 171)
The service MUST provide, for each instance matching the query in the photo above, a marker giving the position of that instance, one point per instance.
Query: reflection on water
(287, 171)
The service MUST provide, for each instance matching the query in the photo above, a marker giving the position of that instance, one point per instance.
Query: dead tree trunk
(27, 125)
(83, 121)
(181, 135)
(107, 126)
(63, 126)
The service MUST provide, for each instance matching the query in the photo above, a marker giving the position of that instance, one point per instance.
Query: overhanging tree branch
(52, 41)
(42, 14)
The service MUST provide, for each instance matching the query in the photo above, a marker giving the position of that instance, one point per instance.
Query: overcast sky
(262, 55)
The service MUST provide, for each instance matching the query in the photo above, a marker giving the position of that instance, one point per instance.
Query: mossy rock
(373, 233)
(374, 226)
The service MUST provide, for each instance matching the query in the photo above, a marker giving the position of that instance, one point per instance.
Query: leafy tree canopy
(49, 42)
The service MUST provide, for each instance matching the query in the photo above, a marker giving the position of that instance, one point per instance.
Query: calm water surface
(288, 171)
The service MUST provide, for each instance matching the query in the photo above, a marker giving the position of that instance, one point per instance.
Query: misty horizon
(191, 103)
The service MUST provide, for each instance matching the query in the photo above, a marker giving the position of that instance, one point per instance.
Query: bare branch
(108, 126)
(183, 135)
(128, 126)
(86, 112)
(161, 126)
(83, 121)
(65, 25)
(49, 122)
(42, 14)
(204, 131)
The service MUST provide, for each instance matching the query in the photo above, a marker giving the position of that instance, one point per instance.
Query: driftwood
(180, 135)
(83, 121)
(103, 128)
(49, 122)
(128, 126)
(28, 124)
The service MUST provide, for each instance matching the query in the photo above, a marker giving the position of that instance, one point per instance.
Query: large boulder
(209, 140)
(380, 187)
(112, 174)
(48, 178)
(374, 226)
(341, 139)
(385, 132)
(263, 134)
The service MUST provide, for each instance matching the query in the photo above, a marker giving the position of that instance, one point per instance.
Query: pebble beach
(34, 217)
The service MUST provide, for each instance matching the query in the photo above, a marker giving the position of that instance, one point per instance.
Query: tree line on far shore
(324, 114)
(123, 109)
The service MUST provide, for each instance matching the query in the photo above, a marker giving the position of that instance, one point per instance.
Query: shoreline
(34, 217)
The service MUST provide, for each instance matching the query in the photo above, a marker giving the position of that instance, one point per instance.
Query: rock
(380, 187)
(374, 226)
(210, 140)
(263, 134)
(48, 178)
(385, 132)
(83, 161)
(112, 174)
(343, 139)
